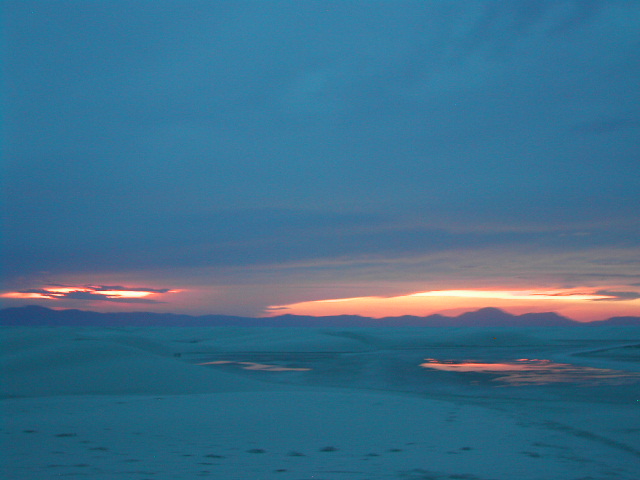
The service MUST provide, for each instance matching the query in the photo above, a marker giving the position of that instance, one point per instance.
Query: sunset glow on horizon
(577, 303)
(566, 294)
(92, 292)
(580, 304)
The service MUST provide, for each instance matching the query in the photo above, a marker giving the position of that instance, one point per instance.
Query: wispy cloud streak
(104, 293)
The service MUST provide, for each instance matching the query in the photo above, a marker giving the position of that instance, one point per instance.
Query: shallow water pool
(526, 371)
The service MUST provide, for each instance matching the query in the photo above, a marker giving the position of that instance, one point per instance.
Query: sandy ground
(135, 404)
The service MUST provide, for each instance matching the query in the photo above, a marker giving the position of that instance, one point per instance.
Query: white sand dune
(133, 404)
(80, 364)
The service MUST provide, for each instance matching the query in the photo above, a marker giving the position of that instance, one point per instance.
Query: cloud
(131, 289)
(258, 138)
(105, 298)
(617, 296)
(258, 236)
(106, 293)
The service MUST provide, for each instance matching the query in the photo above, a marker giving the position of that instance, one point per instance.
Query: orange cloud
(93, 292)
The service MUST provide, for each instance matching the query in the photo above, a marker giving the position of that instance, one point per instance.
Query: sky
(322, 157)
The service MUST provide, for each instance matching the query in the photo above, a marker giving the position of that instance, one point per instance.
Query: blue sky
(253, 154)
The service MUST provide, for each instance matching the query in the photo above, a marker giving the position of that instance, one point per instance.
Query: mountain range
(486, 317)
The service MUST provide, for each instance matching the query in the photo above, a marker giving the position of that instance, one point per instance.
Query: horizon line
(364, 317)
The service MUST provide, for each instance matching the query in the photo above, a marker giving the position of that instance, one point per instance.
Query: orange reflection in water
(537, 372)
(256, 366)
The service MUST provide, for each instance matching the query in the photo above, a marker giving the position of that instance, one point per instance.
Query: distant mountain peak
(491, 310)
(485, 312)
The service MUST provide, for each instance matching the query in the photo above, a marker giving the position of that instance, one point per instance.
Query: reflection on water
(256, 366)
(537, 372)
